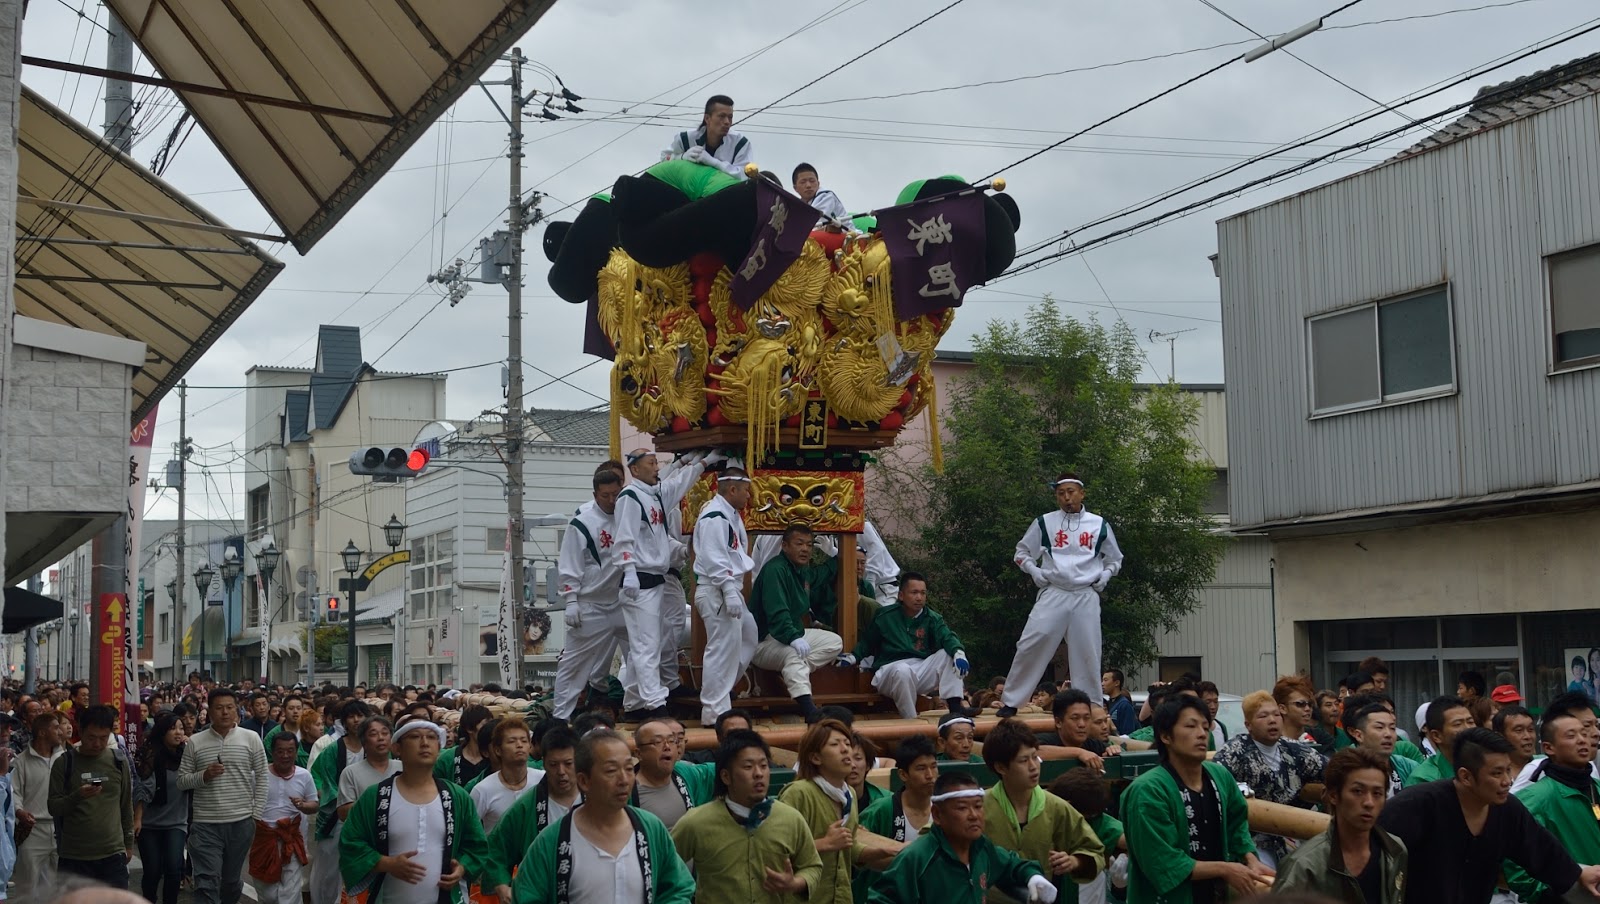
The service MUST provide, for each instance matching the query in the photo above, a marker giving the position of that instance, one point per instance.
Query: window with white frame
(1575, 307)
(1387, 351)
(495, 541)
(433, 574)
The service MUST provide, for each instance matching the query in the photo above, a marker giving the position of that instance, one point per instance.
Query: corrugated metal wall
(1231, 631)
(1480, 214)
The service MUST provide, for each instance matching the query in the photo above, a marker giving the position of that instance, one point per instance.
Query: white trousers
(35, 873)
(588, 648)
(902, 681)
(641, 683)
(780, 657)
(730, 645)
(674, 630)
(1072, 614)
(284, 891)
(325, 881)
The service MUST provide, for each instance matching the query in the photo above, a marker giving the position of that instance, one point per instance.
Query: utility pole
(183, 537)
(515, 223)
(110, 551)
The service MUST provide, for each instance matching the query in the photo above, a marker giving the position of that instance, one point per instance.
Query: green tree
(1047, 395)
(328, 638)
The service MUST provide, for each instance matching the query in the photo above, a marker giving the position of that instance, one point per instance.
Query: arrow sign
(115, 609)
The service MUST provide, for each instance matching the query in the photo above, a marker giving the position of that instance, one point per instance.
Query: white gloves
(1032, 569)
(1119, 871)
(962, 665)
(868, 663)
(1101, 581)
(731, 602)
(696, 154)
(846, 660)
(715, 456)
(630, 585)
(801, 646)
(573, 616)
(1040, 889)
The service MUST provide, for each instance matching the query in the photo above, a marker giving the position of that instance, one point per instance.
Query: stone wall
(65, 433)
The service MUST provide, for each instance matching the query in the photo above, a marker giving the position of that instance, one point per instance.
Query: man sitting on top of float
(714, 143)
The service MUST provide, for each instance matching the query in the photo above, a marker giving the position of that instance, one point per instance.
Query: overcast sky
(1064, 66)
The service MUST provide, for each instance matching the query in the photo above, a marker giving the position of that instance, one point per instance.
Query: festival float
(734, 324)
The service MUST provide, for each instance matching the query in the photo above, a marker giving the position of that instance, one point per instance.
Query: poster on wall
(1583, 671)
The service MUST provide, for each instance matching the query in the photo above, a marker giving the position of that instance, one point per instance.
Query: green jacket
(878, 817)
(1567, 813)
(927, 870)
(894, 636)
(1403, 767)
(358, 841)
(325, 775)
(1408, 750)
(781, 599)
(1148, 735)
(445, 766)
(821, 813)
(514, 834)
(825, 594)
(730, 861)
(1158, 834)
(1430, 770)
(1053, 825)
(536, 876)
(300, 752)
(1317, 866)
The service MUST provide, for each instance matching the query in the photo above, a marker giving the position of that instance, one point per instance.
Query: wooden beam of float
(880, 732)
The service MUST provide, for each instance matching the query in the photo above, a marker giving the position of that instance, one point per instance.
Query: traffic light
(332, 613)
(388, 465)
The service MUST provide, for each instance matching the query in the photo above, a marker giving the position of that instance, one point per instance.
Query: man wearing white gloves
(588, 573)
(1071, 554)
(643, 550)
(781, 602)
(913, 651)
(721, 562)
(714, 143)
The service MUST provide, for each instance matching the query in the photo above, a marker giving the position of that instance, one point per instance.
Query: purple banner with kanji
(783, 223)
(936, 250)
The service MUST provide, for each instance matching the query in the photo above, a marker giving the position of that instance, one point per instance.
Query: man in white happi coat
(721, 564)
(589, 578)
(1071, 554)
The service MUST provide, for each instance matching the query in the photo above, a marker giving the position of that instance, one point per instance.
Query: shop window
(1562, 650)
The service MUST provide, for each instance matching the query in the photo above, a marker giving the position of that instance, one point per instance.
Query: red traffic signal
(417, 460)
(388, 465)
(333, 609)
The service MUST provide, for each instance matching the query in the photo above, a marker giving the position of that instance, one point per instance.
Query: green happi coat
(1568, 814)
(536, 875)
(894, 636)
(1430, 770)
(780, 599)
(821, 813)
(1408, 750)
(325, 773)
(1053, 825)
(358, 841)
(514, 834)
(1158, 834)
(884, 816)
(927, 870)
(730, 861)
(445, 766)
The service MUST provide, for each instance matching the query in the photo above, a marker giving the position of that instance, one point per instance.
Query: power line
(1078, 247)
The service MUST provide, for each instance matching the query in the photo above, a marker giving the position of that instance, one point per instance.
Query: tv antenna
(1172, 349)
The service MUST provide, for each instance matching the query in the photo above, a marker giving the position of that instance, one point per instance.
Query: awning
(312, 101)
(118, 251)
(24, 609)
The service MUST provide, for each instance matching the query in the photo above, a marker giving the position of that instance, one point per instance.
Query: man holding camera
(91, 800)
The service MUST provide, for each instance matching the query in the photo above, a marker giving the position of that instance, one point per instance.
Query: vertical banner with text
(110, 646)
(139, 441)
(505, 631)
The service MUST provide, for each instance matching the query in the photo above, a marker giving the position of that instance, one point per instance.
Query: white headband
(951, 795)
(417, 725)
(959, 720)
(1067, 480)
(729, 478)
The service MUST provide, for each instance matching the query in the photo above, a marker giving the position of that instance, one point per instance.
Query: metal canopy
(104, 245)
(355, 83)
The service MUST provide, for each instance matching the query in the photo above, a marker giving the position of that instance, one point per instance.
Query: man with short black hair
(226, 768)
(780, 601)
(259, 721)
(955, 862)
(1447, 717)
(1563, 800)
(721, 565)
(1353, 860)
(1124, 717)
(554, 797)
(588, 573)
(278, 852)
(1356, 683)
(808, 185)
(714, 143)
(1020, 816)
(1470, 685)
(1460, 830)
(1373, 728)
(1379, 670)
(912, 651)
(1072, 712)
(1577, 705)
(1515, 724)
(91, 800)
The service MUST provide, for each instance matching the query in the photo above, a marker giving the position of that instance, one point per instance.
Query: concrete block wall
(65, 432)
(10, 96)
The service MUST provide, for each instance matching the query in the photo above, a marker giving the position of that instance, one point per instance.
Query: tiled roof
(1496, 105)
(339, 366)
(573, 428)
(296, 410)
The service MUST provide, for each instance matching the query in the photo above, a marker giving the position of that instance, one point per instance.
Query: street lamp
(72, 656)
(266, 564)
(352, 564)
(202, 583)
(231, 569)
(394, 532)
